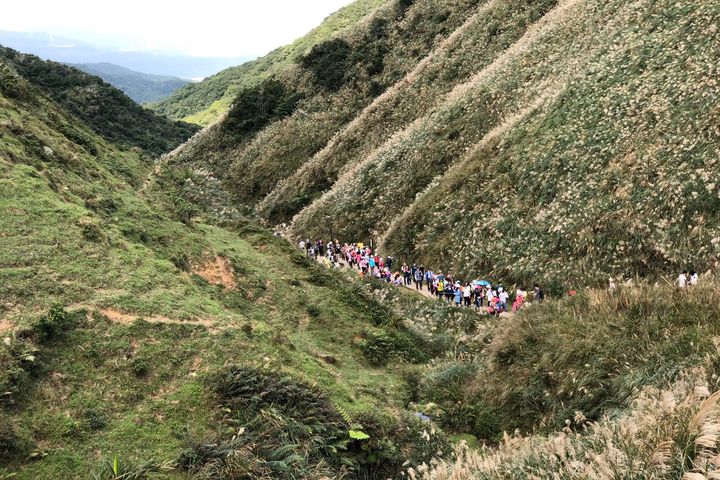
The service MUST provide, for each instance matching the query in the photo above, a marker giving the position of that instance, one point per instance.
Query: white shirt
(682, 280)
(504, 296)
(694, 279)
(467, 291)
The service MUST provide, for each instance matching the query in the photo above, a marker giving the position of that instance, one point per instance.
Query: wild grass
(667, 433)
(591, 353)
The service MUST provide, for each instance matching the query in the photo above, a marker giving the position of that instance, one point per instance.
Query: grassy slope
(478, 159)
(626, 375)
(76, 232)
(383, 48)
(484, 35)
(204, 102)
(105, 109)
(554, 123)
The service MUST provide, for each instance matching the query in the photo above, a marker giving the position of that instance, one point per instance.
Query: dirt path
(423, 291)
(127, 318)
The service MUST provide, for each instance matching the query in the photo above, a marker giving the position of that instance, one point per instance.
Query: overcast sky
(199, 27)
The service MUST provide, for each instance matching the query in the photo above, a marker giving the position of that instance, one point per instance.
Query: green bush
(94, 419)
(445, 385)
(14, 442)
(380, 347)
(140, 366)
(328, 63)
(289, 428)
(121, 469)
(395, 444)
(255, 107)
(53, 324)
(18, 362)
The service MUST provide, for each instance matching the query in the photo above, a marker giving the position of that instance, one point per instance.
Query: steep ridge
(614, 176)
(361, 62)
(475, 161)
(483, 36)
(102, 107)
(390, 177)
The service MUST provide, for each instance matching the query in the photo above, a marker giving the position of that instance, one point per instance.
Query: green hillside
(102, 107)
(204, 102)
(141, 87)
(128, 322)
(153, 327)
(556, 141)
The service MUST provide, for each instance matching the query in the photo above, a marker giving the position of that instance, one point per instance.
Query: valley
(166, 311)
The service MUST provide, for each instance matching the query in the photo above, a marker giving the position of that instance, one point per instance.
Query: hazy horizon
(215, 29)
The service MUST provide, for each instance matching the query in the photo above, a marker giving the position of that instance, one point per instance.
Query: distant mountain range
(141, 87)
(68, 50)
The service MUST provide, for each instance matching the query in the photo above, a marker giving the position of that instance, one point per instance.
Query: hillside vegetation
(141, 87)
(100, 106)
(547, 141)
(152, 327)
(134, 329)
(204, 102)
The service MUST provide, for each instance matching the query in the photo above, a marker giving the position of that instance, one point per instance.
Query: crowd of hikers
(478, 294)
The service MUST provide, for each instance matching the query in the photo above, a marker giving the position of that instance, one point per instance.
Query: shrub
(379, 347)
(328, 62)
(446, 385)
(255, 107)
(289, 428)
(140, 366)
(394, 444)
(117, 469)
(94, 419)
(14, 442)
(53, 324)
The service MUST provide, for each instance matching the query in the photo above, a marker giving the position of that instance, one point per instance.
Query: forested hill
(102, 107)
(141, 87)
(204, 102)
(561, 141)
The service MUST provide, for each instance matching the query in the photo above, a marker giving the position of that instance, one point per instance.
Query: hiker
(301, 245)
(467, 293)
(418, 279)
(611, 284)
(503, 296)
(406, 274)
(490, 295)
(479, 297)
(449, 290)
(519, 299)
(439, 288)
(538, 294)
(693, 278)
(429, 281)
(458, 295)
(389, 261)
(682, 279)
